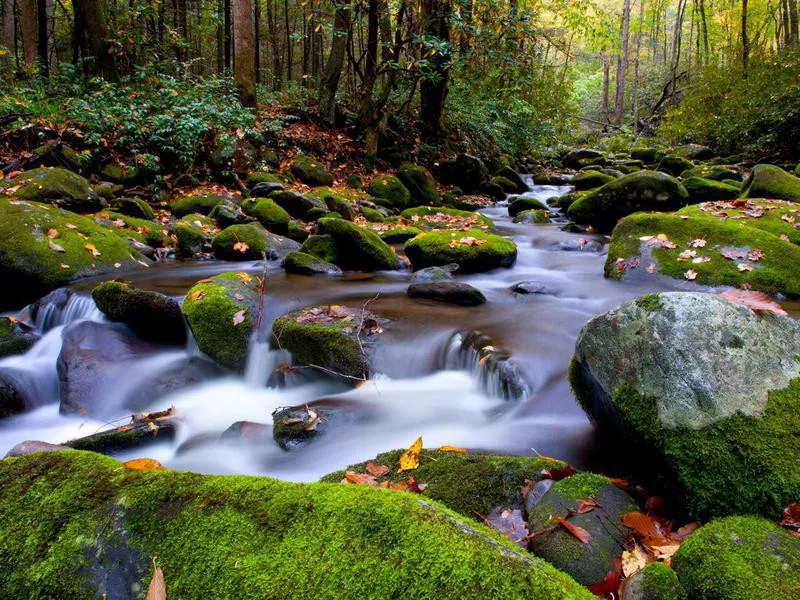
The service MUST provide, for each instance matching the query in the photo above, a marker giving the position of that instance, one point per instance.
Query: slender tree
(745, 40)
(622, 64)
(91, 39)
(29, 25)
(332, 72)
(244, 63)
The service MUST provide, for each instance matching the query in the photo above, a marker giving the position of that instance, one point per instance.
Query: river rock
(509, 174)
(420, 184)
(451, 292)
(439, 217)
(357, 249)
(466, 171)
(32, 446)
(769, 181)
(590, 562)
(134, 207)
(198, 201)
(179, 375)
(222, 312)
(194, 233)
(296, 204)
(581, 157)
(588, 180)
(640, 191)
(707, 190)
(139, 432)
(524, 203)
(150, 315)
(228, 213)
(443, 273)
(739, 558)
(296, 426)
(248, 432)
(674, 165)
(655, 582)
(32, 263)
(15, 336)
(13, 397)
(480, 251)
(301, 263)
(263, 189)
(532, 287)
(59, 187)
(268, 213)
(681, 375)
(713, 172)
(390, 192)
(251, 242)
(409, 545)
(310, 171)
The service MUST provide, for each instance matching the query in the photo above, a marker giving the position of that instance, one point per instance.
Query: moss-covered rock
(149, 232)
(372, 215)
(655, 582)
(588, 180)
(469, 483)
(134, 207)
(739, 558)
(301, 263)
(505, 184)
(60, 187)
(438, 217)
(525, 203)
(269, 214)
(473, 250)
(195, 202)
(648, 155)
(77, 525)
(296, 230)
(674, 165)
(566, 200)
(150, 315)
(15, 337)
(310, 171)
(120, 173)
(533, 216)
(256, 177)
(778, 217)
(334, 341)
(221, 312)
(713, 172)
(400, 235)
(322, 246)
(251, 242)
(296, 204)
(357, 249)
(581, 157)
(769, 181)
(770, 261)
(32, 263)
(390, 192)
(705, 394)
(511, 175)
(588, 563)
(338, 203)
(640, 191)
(194, 234)
(228, 213)
(420, 184)
(707, 190)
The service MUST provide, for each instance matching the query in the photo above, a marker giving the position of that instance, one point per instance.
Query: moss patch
(437, 248)
(269, 214)
(57, 186)
(769, 181)
(148, 232)
(194, 234)
(195, 203)
(437, 217)
(357, 248)
(420, 184)
(310, 171)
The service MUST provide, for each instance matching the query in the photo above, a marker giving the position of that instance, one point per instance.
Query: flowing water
(434, 379)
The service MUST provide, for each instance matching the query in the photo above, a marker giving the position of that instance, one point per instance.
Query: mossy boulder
(150, 315)
(648, 155)
(640, 191)
(251, 242)
(336, 341)
(296, 230)
(310, 171)
(539, 216)
(228, 213)
(120, 173)
(505, 184)
(15, 337)
(674, 165)
(322, 246)
(296, 204)
(301, 263)
(656, 581)
(769, 260)
(566, 200)
(269, 214)
(338, 203)
(372, 215)
(439, 217)
(523, 203)
(705, 394)
(32, 263)
(147, 231)
(739, 558)
(588, 180)
(420, 184)
(778, 217)
(60, 187)
(581, 157)
(67, 535)
(588, 563)
(194, 234)
(474, 250)
(134, 207)
(450, 292)
(769, 181)
(195, 202)
(357, 249)
(256, 177)
(466, 171)
(707, 190)
(389, 191)
(400, 235)
(221, 312)
(511, 175)
(470, 483)
(713, 172)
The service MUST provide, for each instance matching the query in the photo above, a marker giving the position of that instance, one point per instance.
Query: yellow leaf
(197, 295)
(91, 248)
(453, 449)
(245, 277)
(11, 319)
(158, 587)
(65, 266)
(634, 560)
(144, 464)
(409, 460)
(241, 247)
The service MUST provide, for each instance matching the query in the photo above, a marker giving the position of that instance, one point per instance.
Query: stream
(430, 383)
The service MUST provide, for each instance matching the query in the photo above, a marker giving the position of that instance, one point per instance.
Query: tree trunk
(9, 29)
(606, 77)
(636, 69)
(745, 40)
(333, 66)
(622, 64)
(704, 25)
(434, 87)
(220, 36)
(289, 48)
(257, 38)
(29, 25)
(91, 38)
(227, 27)
(244, 63)
(41, 26)
(793, 23)
(272, 32)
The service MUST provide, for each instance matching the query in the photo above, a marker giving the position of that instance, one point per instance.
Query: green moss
(357, 248)
(15, 337)
(296, 230)
(400, 235)
(740, 558)
(420, 184)
(655, 582)
(508, 186)
(210, 307)
(152, 233)
(435, 217)
(524, 203)
(119, 173)
(301, 263)
(776, 271)
(149, 314)
(30, 268)
(269, 214)
(588, 180)
(58, 186)
(372, 215)
(390, 192)
(649, 302)
(243, 537)
(321, 246)
(310, 171)
(194, 234)
(713, 172)
(241, 242)
(707, 190)
(674, 165)
(539, 216)
(336, 202)
(769, 181)
(776, 216)
(195, 203)
(134, 207)
(437, 248)
(257, 177)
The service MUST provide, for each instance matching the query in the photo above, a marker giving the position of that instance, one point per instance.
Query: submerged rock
(686, 375)
(296, 426)
(451, 292)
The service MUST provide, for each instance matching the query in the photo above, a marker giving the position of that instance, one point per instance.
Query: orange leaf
(376, 469)
(359, 478)
(758, 302)
(241, 247)
(580, 533)
(144, 464)
(91, 248)
(609, 586)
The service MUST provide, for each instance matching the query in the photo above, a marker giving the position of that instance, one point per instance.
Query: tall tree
(332, 72)
(435, 85)
(29, 26)
(91, 39)
(636, 68)
(42, 37)
(745, 39)
(622, 64)
(244, 62)
(9, 27)
(793, 23)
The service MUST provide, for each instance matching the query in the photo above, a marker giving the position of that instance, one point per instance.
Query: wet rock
(141, 431)
(648, 155)
(296, 426)
(581, 157)
(60, 187)
(15, 337)
(588, 563)
(357, 249)
(420, 184)
(310, 171)
(548, 177)
(769, 181)
(248, 432)
(493, 190)
(509, 174)
(228, 213)
(251, 242)
(713, 172)
(400, 235)
(194, 233)
(443, 273)
(451, 292)
(523, 203)
(530, 217)
(13, 397)
(196, 202)
(33, 446)
(532, 287)
(268, 213)
(180, 375)
(390, 192)
(444, 247)
(466, 171)
(150, 315)
(134, 207)
(581, 245)
(296, 204)
(497, 372)
(221, 313)
(265, 188)
(301, 263)
(655, 582)
(681, 375)
(697, 152)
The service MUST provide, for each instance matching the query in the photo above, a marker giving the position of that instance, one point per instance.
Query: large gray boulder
(704, 392)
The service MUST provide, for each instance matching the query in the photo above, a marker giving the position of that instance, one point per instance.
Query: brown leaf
(409, 460)
(158, 587)
(338, 312)
(52, 233)
(758, 302)
(586, 505)
(791, 517)
(580, 533)
(199, 294)
(610, 585)
(238, 317)
(376, 469)
(634, 560)
(53, 246)
(359, 479)
(144, 464)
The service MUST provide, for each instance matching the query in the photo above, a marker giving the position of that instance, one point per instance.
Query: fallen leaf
(701, 259)
(238, 317)
(52, 233)
(610, 585)
(510, 523)
(359, 479)
(744, 267)
(691, 275)
(586, 505)
(698, 243)
(338, 312)
(409, 460)
(686, 255)
(144, 464)
(53, 246)
(756, 301)
(199, 294)
(651, 268)
(634, 560)
(157, 590)
(580, 533)
(376, 469)
(791, 517)
(241, 247)
(313, 420)
(452, 449)
(238, 296)
(91, 248)
(70, 226)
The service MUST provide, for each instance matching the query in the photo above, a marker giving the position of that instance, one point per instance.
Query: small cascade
(494, 368)
(262, 363)
(61, 307)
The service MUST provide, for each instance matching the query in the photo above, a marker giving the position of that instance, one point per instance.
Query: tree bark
(91, 38)
(41, 37)
(434, 88)
(636, 69)
(794, 39)
(604, 98)
(244, 63)
(226, 24)
(745, 40)
(622, 64)
(704, 25)
(333, 66)
(9, 30)
(29, 25)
